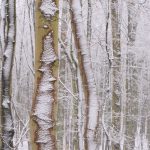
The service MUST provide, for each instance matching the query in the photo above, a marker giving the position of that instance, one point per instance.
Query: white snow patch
(23, 145)
(48, 7)
(44, 98)
(48, 55)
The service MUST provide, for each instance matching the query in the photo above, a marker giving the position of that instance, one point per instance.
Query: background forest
(75, 74)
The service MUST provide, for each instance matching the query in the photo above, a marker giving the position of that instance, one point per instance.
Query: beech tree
(45, 96)
(75, 74)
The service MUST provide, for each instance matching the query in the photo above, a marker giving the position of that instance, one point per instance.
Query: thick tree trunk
(88, 81)
(46, 72)
(23, 72)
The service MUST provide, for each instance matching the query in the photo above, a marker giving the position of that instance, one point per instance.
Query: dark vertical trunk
(116, 73)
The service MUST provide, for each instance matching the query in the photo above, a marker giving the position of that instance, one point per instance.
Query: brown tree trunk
(116, 74)
(88, 81)
(44, 105)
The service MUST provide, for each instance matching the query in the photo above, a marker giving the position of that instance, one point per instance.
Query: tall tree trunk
(88, 82)
(46, 74)
(7, 122)
(132, 73)
(116, 74)
(23, 72)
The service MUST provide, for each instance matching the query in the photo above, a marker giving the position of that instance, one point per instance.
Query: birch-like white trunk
(23, 72)
(7, 122)
(92, 104)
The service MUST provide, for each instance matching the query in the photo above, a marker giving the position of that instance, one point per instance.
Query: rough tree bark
(23, 72)
(7, 122)
(88, 82)
(46, 72)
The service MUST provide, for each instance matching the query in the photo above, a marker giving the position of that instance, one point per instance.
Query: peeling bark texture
(7, 122)
(88, 81)
(45, 98)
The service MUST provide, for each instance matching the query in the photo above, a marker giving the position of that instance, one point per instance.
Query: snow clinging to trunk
(45, 94)
(92, 104)
(45, 98)
(7, 122)
(48, 8)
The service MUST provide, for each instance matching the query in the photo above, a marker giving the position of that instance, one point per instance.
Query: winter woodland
(75, 74)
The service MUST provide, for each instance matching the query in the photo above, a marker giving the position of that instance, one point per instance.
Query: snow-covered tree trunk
(7, 122)
(46, 74)
(68, 78)
(88, 81)
(3, 24)
(23, 73)
(102, 91)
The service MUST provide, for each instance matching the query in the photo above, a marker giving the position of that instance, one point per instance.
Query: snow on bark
(7, 122)
(23, 72)
(48, 7)
(2, 24)
(45, 95)
(91, 86)
(48, 56)
(141, 141)
(145, 142)
(45, 98)
(23, 146)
